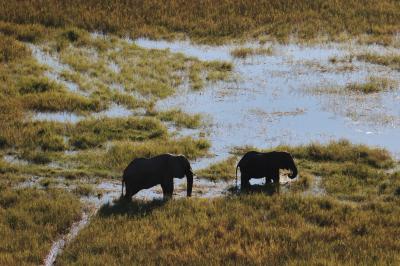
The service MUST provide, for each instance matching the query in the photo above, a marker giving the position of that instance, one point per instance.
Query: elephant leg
(275, 179)
(168, 188)
(267, 181)
(128, 194)
(244, 182)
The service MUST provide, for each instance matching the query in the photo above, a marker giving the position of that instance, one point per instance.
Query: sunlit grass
(10, 49)
(93, 132)
(31, 220)
(84, 190)
(213, 21)
(24, 33)
(224, 170)
(373, 85)
(249, 229)
(243, 52)
(179, 118)
(392, 61)
(347, 171)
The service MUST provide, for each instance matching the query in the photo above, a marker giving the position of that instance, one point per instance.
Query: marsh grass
(151, 73)
(224, 170)
(243, 225)
(179, 118)
(251, 229)
(342, 151)
(392, 61)
(30, 220)
(243, 52)
(11, 50)
(84, 190)
(215, 21)
(373, 85)
(37, 85)
(347, 171)
(93, 132)
(303, 183)
(23, 33)
(54, 102)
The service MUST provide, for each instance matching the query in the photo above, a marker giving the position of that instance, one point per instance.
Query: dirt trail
(59, 245)
(93, 204)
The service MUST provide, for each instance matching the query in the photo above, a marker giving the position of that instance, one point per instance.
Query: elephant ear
(178, 165)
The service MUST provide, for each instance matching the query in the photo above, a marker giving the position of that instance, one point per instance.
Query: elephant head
(286, 162)
(181, 167)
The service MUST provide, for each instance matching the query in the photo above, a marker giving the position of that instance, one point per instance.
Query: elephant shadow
(134, 208)
(268, 189)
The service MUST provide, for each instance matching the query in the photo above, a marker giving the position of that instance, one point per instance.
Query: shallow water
(64, 117)
(55, 69)
(13, 159)
(114, 111)
(270, 103)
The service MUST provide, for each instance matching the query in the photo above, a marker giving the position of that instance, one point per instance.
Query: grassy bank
(250, 229)
(347, 171)
(31, 220)
(83, 75)
(213, 19)
(352, 221)
(70, 70)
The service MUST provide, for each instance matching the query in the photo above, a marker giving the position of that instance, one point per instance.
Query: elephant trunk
(294, 172)
(189, 176)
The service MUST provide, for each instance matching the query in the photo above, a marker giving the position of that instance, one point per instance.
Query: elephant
(144, 173)
(264, 164)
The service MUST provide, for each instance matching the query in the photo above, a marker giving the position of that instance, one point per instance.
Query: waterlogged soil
(271, 100)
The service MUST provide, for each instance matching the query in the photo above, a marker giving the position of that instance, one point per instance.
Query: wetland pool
(270, 101)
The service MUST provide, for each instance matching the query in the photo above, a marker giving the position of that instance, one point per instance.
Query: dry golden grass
(245, 230)
(30, 220)
(392, 61)
(212, 19)
(243, 52)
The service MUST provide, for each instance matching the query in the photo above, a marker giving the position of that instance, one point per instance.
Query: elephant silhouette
(264, 164)
(144, 173)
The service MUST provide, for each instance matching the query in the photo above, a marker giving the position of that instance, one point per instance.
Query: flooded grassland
(77, 107)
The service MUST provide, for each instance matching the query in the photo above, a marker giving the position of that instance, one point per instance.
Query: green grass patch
(93, 132)
(342, 151)
(84, 190)
(224, 170)
(373, 85)
(179, 118)
(23, 33)
(392, 61)
(37, 85)
(243, 52)
(11, 50)
(303, 183)
(348, 171)
(211, 21)
(31, 220)
(55, 102)
(248, 230)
